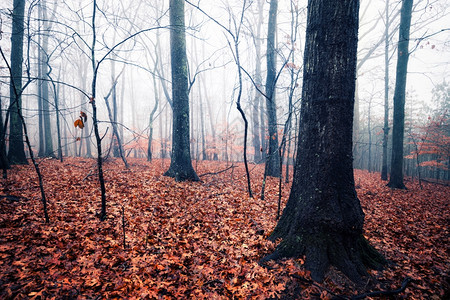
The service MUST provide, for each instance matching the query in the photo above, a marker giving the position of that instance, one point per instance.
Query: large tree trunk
(180, 164)
(16, 153)
(398, 130)
(273, 156)
(323, 218)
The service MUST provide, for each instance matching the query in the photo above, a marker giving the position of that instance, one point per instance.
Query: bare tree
(180, 165)
(323, 218)
(396, 178)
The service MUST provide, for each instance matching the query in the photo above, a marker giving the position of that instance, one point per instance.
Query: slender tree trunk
(48, 137)
(258, 158)
(273, 157)
(211, 121)
(288, 155)
(180, 165)
(4, 163)
(323, 218)
(151, 121)
(95, 119)
(202, 125)
(262, 128)
(58, 125)
(161, 135)
(41, 129)
(398, 131)
(114, 125)
(116, 152)
(356, 134)
(16, 153)
(384, 168)
(369, 132)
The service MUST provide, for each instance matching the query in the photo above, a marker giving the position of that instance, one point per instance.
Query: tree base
(351, 255)
(182, 174)
(396, 185)
(16, 161)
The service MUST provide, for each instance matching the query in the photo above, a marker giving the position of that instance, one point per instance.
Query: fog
(132, 47)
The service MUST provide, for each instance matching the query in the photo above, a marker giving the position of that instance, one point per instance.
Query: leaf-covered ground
(196, 240)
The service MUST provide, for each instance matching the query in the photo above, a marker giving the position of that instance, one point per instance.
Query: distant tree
(152, 114)
(273, 156)
(180, 164)
(384, 167)
(431, 145)
(323, 218)
(441, 98)
(43, 92)
(257, 140)
(16, 151)
(398, 131)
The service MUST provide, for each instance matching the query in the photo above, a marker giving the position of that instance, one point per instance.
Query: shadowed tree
(398, 128)
(323, 219)
(180, 164)
(16, 153)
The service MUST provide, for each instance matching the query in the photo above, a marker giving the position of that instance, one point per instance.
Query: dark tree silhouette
(398, 128)
(180, 164)
(16, 153)
(323, 218)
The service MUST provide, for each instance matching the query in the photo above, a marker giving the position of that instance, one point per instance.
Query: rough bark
(398, 129)
(16, 153)
(273, 157)
(180, 165)
(323, 219)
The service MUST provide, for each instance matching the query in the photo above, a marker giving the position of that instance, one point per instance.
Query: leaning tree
(323, 219)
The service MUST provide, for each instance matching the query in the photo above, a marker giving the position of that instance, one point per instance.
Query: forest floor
(191, 240)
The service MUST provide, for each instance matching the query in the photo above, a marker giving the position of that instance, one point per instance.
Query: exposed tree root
(349, 254)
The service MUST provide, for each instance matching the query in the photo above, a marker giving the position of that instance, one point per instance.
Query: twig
(215, 173)
(405, 283)
(123, 227)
